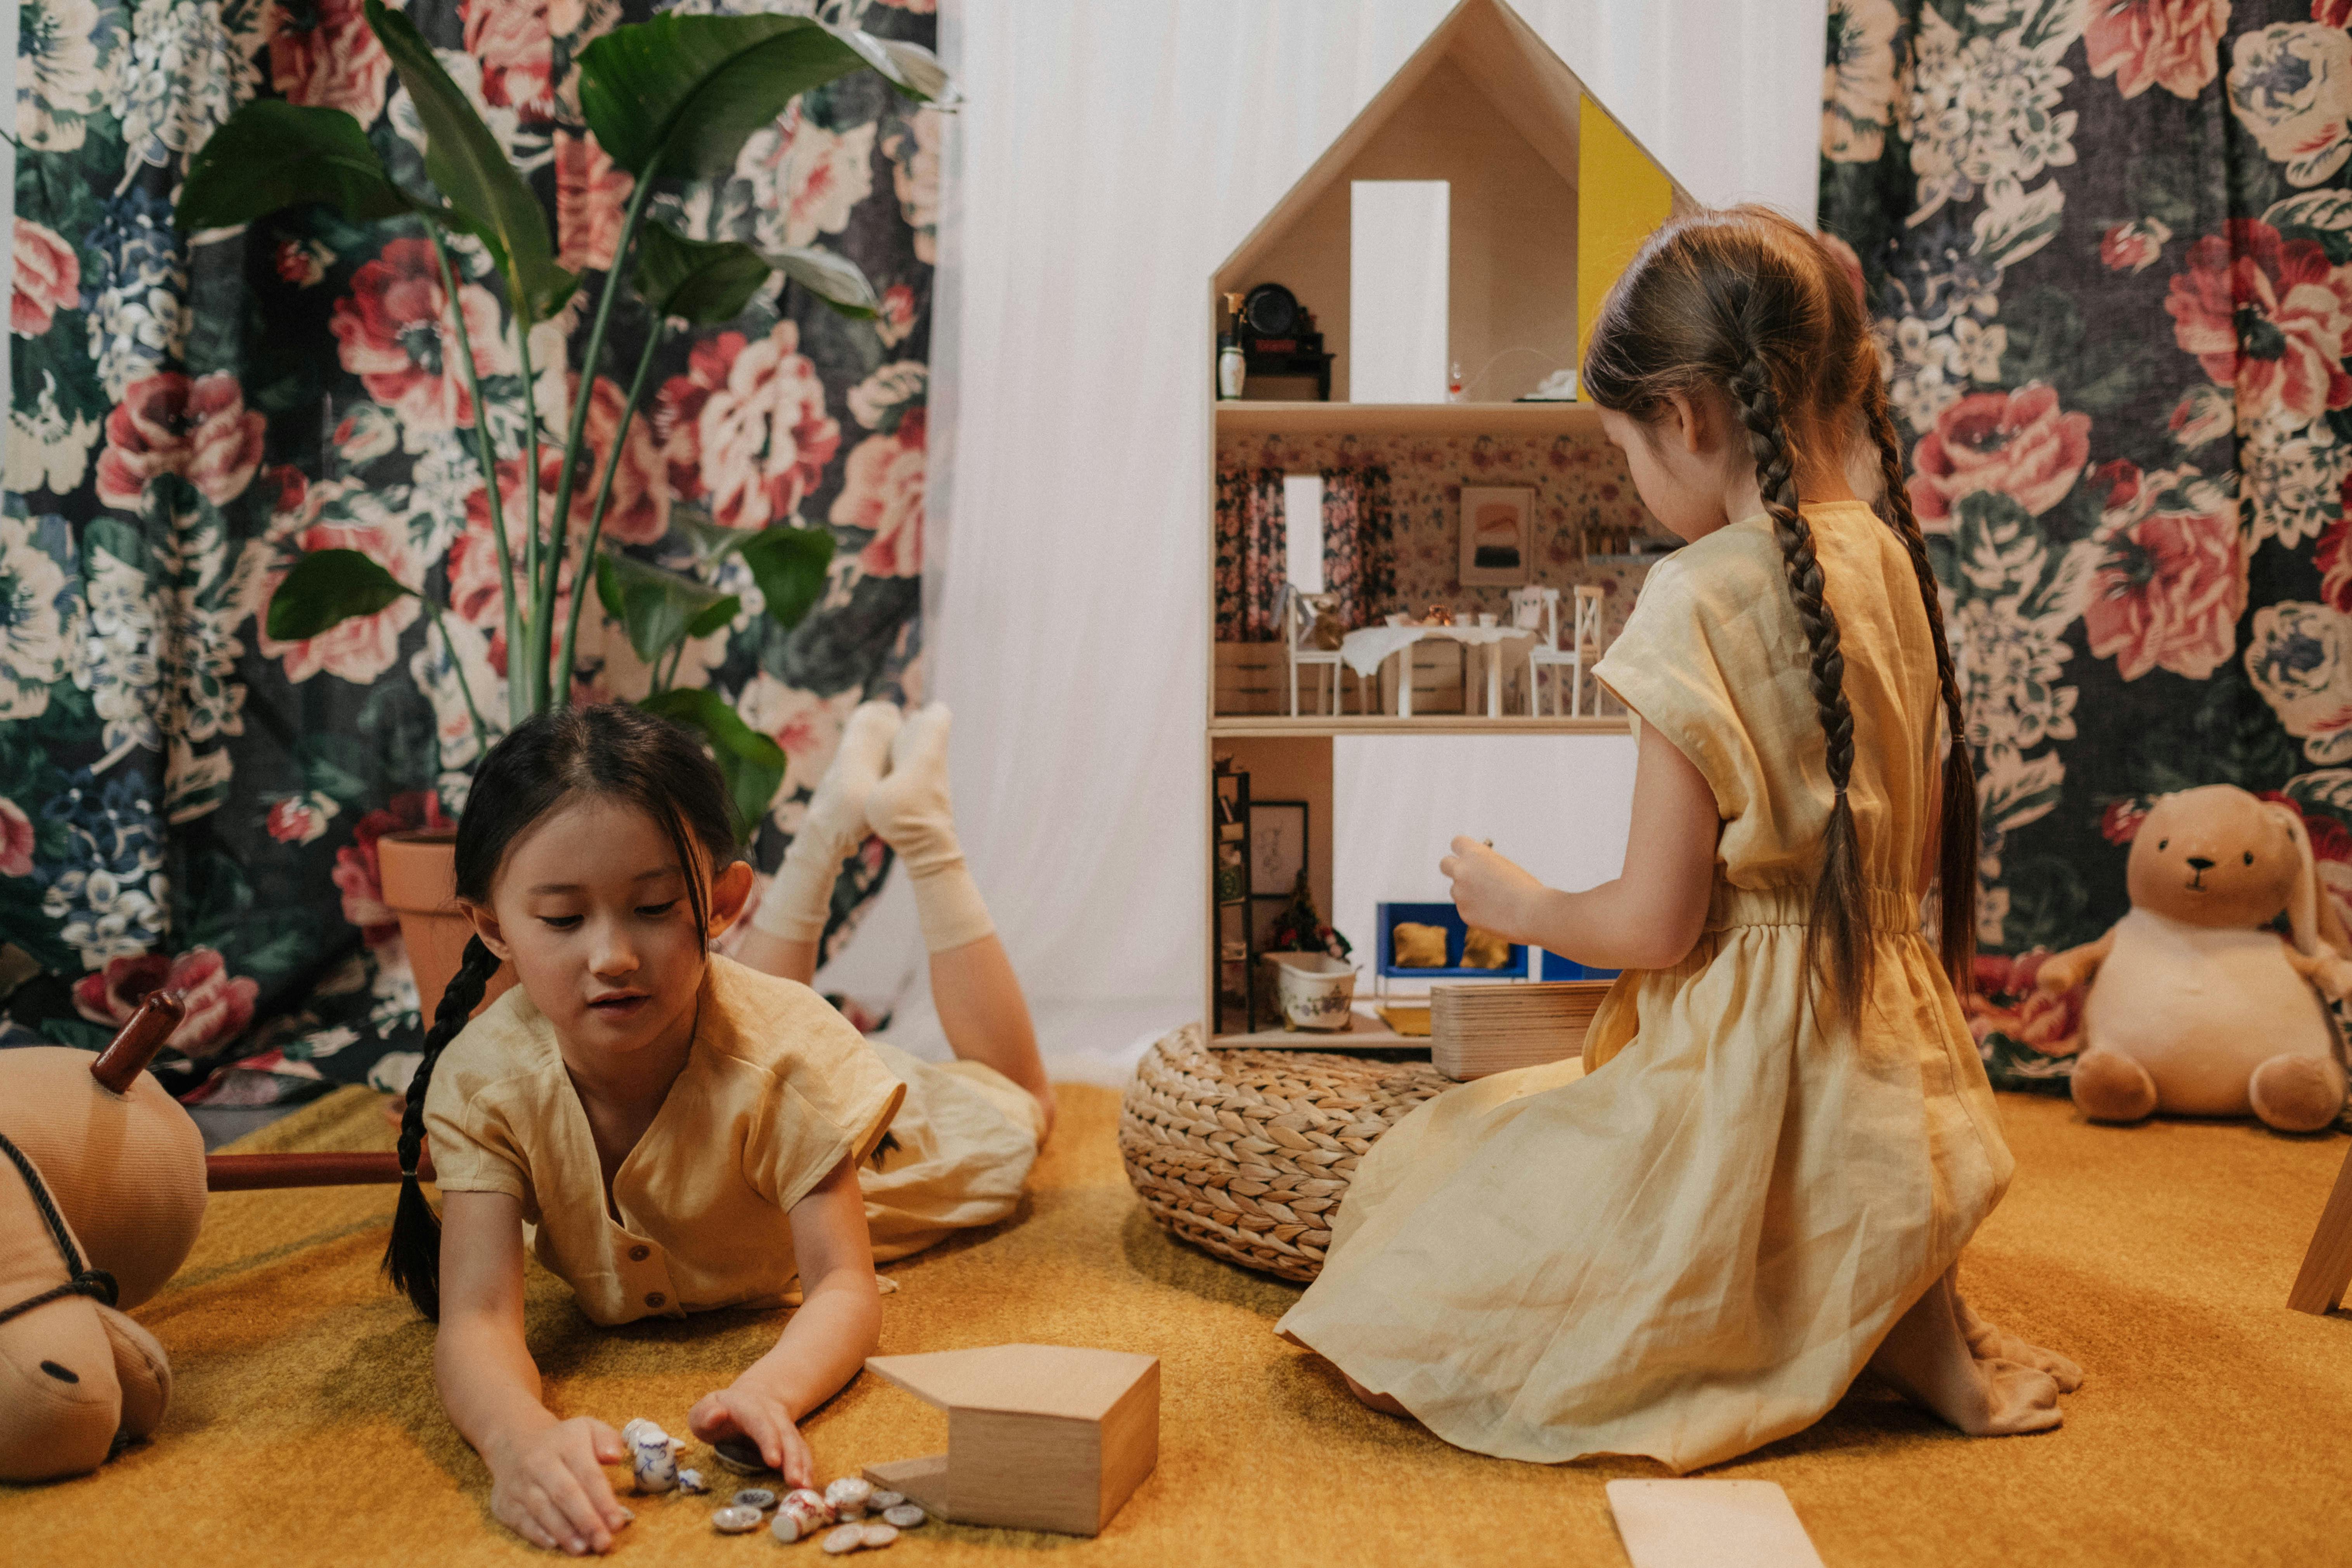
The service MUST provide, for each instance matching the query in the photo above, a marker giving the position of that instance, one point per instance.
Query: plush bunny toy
(2196, 1006)
(101, 1191)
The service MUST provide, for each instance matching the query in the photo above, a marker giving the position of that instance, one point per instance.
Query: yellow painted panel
(1621, 197)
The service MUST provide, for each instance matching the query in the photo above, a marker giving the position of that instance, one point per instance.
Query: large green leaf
(705, 281)
(712, 542)
(271, 155)
(326, 588)
(789, 563)
(487, 196)
(751, 763)
(692, 90)
(658, 609)
(835, 280)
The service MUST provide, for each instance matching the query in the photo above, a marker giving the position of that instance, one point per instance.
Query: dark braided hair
(1747, 304)
(1956, 873)
(617, 751)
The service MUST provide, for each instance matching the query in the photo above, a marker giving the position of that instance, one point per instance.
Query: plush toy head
(100, 1183)
(2217, 857)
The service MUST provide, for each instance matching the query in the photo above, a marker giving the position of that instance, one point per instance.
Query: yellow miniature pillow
(1485, 950)
(1418, 946)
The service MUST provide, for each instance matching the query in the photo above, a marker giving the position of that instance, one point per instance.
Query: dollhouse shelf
(1368, 1033)
(1282, 726)
(1248, 418)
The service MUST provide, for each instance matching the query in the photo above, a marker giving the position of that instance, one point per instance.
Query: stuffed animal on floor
(100, 1196)
(2195, 1005)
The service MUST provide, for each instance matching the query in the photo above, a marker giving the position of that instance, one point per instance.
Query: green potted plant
(670, 100)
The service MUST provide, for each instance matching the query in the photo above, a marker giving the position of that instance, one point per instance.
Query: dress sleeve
(833, 1101)
(1664, 667)
(473, 1143)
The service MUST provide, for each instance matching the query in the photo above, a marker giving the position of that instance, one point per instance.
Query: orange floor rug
(2216, 1426)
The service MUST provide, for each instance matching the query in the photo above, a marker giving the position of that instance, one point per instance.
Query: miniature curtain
(1252, 564)
(2109, 252)
(1359, 543)
(183, 800)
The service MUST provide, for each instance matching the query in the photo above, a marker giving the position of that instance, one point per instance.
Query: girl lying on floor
(1693, 1250)
(673, 1130)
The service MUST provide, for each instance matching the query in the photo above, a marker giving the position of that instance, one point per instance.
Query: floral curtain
(2108, 244)
(1251, 564)
(183, 798)
(1359, 542)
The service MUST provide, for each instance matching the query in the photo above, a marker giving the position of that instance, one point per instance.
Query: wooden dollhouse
(1548, 198)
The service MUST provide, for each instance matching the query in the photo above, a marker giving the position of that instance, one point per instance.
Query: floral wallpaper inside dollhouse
(183, 799)
(1584, 516)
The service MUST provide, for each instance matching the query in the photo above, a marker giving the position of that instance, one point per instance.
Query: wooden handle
(119, 1065)
(252, 1172)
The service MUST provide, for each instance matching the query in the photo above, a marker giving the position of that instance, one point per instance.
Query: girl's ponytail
(1837, 944)
(413, 1257)
(1956, 873)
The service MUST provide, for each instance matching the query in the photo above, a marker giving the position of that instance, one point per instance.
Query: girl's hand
(549, 1487)
(1492, 893)
(744, 1410)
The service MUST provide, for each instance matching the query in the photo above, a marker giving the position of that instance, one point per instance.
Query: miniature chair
(1585, 634)
(1301, 615)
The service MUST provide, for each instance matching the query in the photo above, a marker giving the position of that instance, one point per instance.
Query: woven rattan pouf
(1248, 1153)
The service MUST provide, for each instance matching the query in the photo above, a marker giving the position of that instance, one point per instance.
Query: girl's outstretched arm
(836, 1328)
(548, 1482)
(1650, 916)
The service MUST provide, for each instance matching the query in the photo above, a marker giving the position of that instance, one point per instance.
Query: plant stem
(542, 597)
(565, 479)
(604, 496)
(457, 663)
(486, 454)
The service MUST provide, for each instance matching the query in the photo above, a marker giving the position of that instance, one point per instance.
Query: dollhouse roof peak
(1488, 47)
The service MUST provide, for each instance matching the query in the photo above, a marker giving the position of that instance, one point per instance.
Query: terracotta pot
(419, 874)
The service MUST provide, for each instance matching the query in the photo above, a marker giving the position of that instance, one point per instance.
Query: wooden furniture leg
(2327, 1264)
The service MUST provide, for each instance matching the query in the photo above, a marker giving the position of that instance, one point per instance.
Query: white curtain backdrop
(1109, 156)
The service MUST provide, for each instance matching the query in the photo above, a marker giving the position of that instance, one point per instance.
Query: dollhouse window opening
(1302, 526)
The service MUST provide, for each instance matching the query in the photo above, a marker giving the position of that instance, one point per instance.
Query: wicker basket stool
(1246, 1153)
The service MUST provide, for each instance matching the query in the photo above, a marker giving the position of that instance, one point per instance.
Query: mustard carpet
(2216, 1426)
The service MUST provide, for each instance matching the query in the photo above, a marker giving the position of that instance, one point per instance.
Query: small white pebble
(905, 1515)
(848, 1538)
(883, 1500)
(880, 1535)
(732, 1520)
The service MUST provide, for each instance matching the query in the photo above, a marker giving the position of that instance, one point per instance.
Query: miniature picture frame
(1277, 847)
(1498, 536)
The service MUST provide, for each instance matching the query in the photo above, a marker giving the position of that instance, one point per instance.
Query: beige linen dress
(1693, 1250)
(777, 1091)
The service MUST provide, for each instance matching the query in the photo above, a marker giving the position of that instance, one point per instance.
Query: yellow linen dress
(777, 1091)
(1692, 1250)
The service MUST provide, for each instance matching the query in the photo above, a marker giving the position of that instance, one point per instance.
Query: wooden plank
(924, 1479)
(1243, 417)
(1036, 1380)
(2328, 1263)
(1236, 727)
(1367, 1032)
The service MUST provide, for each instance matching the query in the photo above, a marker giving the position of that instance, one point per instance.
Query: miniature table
(1364, 649)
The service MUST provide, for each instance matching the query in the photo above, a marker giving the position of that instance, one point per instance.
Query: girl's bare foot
(1931, 1359)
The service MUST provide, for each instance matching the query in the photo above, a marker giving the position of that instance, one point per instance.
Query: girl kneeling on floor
(1694, 1250)
(670, 1130)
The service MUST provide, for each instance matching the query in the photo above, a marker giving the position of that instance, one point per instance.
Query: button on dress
(1692, 1249)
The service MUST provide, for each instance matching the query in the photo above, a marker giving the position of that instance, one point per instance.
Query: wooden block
(1710, 1524)
(1039, 1437)
(2327, 1262)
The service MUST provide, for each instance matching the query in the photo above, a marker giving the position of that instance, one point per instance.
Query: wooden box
(1039, 1437)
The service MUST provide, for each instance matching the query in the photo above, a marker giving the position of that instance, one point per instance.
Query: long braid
(413, 1257)
(1956, 863)
(1836, 943)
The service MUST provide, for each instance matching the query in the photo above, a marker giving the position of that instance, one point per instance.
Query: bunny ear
(2303, 905)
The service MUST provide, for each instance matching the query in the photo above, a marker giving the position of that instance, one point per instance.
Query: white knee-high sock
(800, 897)
(910, 809)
